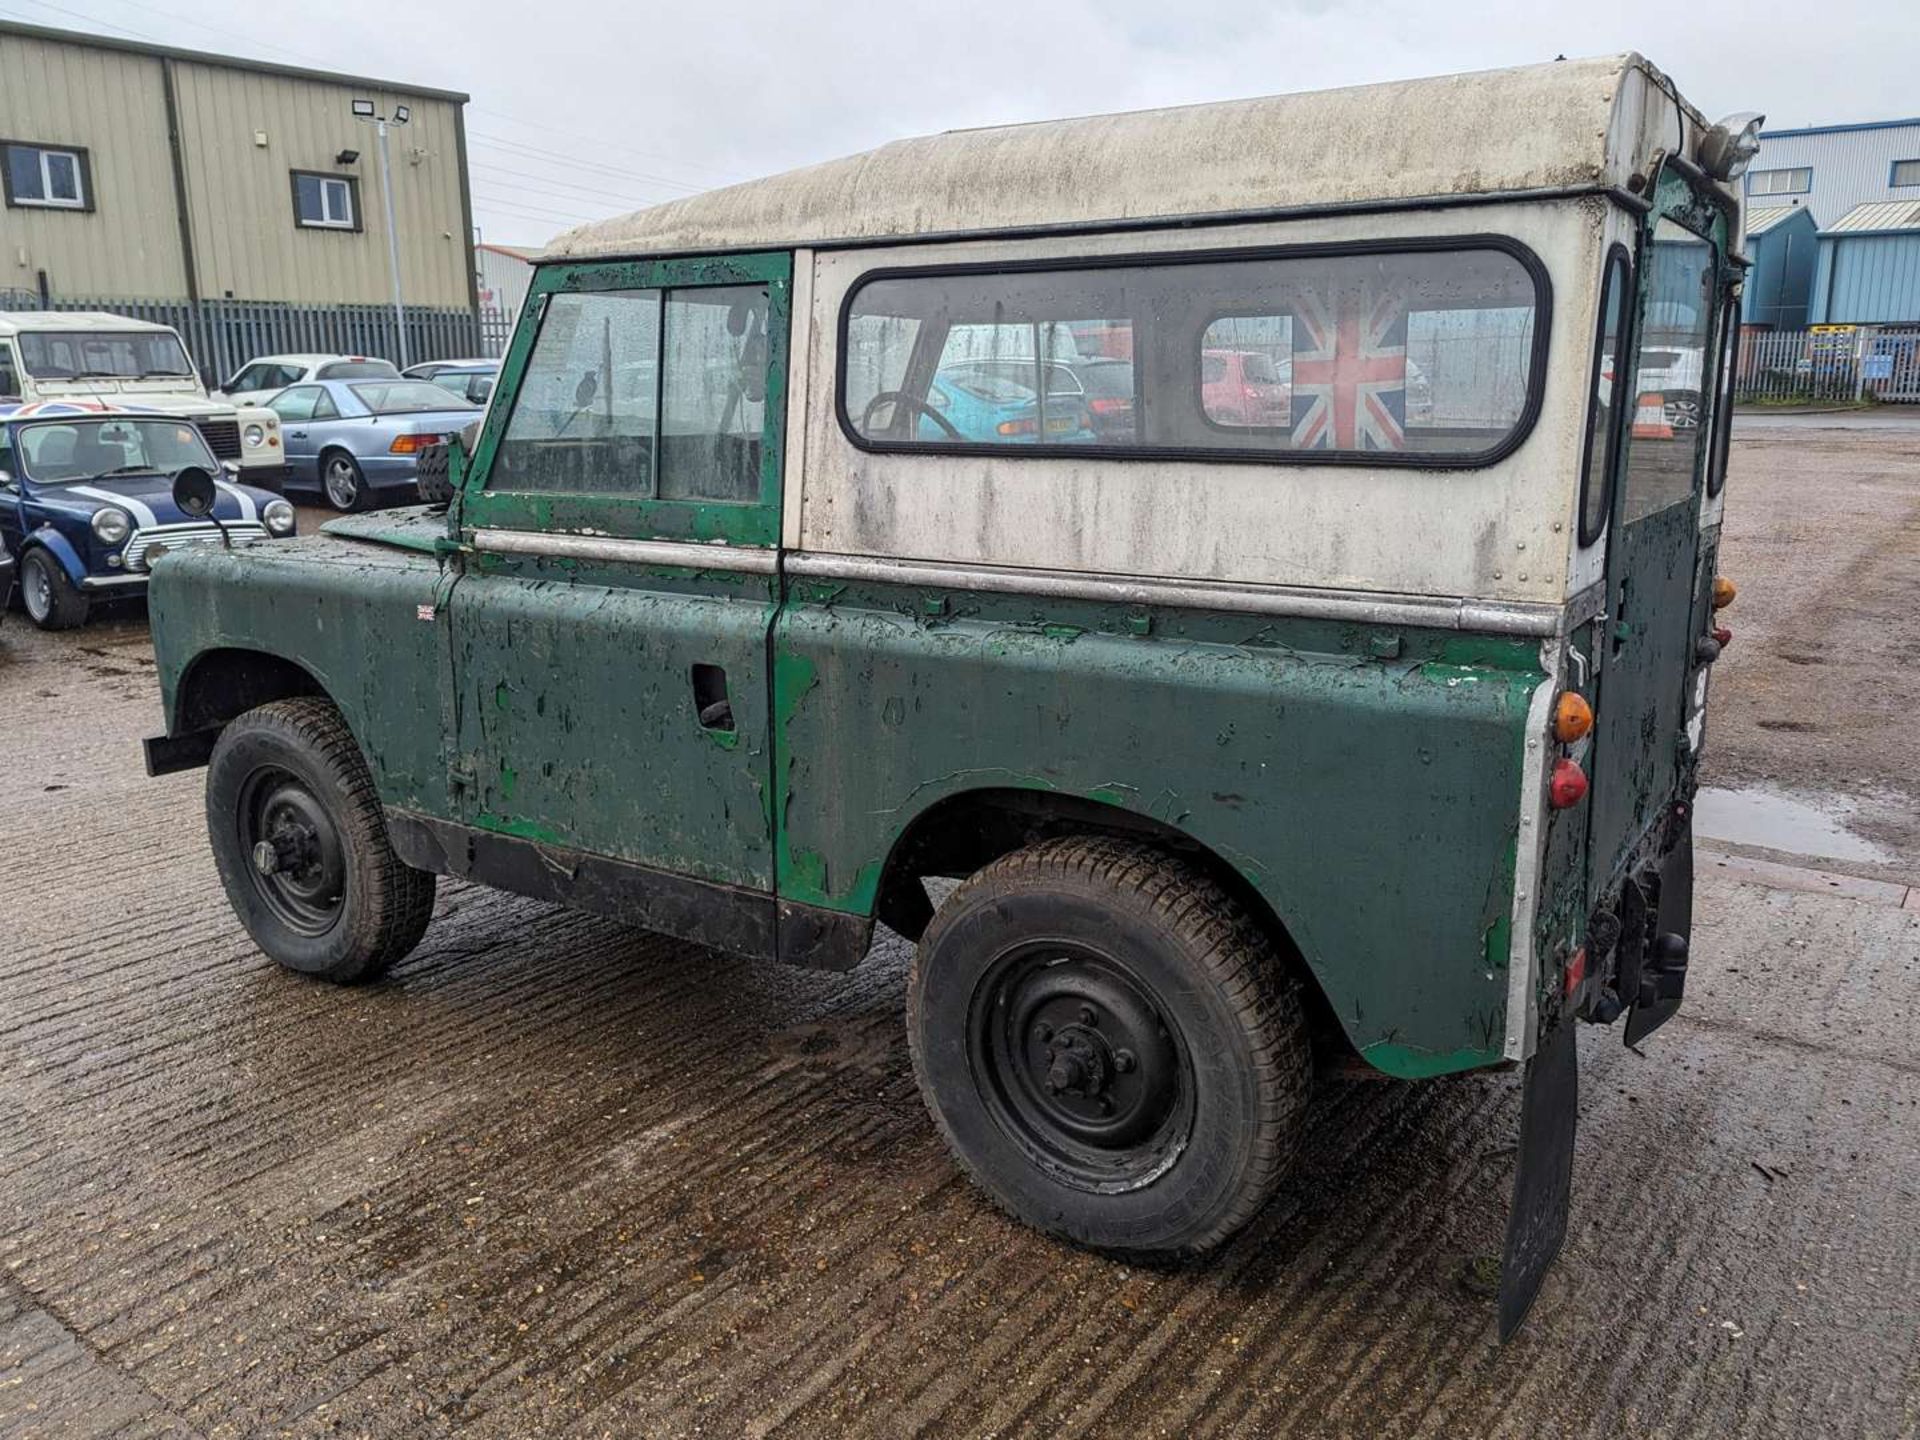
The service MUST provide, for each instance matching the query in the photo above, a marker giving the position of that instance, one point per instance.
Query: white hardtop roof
(13, 322)
(1566, 125)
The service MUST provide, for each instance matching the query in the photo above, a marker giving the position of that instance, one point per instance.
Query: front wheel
(52, 601)
(1110, 1046)
(340, 478)
(301, 843)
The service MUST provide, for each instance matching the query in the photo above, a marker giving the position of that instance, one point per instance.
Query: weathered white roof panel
(1563, 125)
(16, 321)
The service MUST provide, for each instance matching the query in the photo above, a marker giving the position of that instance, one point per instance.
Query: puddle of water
(1815, 825)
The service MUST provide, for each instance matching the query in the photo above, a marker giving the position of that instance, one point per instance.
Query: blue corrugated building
(1861, 183)
(1782, 241)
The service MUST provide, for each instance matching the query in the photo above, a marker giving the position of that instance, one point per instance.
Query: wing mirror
(584, 392)
(195, 493)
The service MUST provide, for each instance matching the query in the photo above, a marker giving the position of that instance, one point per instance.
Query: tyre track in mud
(554, 1176)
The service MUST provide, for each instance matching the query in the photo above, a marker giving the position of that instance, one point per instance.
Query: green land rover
(1234, 542)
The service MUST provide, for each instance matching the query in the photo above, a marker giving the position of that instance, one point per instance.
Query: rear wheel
(1110, 1047)
(51, 600)
(301, 844)
(341, 481)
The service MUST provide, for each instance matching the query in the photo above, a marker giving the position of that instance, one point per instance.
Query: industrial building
(183, 185)
(1860, 184)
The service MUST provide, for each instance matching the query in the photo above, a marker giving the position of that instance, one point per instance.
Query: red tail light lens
(1576, 970)
(1017, 427)
(1567, 786)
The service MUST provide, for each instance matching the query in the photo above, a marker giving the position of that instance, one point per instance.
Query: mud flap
(1543, 1174)
(1662, 977)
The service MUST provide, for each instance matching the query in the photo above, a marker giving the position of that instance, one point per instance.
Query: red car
(1242, 388)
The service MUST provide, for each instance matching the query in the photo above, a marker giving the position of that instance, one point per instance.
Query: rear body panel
(1364, 780)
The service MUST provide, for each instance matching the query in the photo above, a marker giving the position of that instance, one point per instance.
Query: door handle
(710, 702)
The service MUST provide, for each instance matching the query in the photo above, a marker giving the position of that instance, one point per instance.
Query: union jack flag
(1350, 375)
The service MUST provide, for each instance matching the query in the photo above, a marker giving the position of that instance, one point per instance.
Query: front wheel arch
(221, 685)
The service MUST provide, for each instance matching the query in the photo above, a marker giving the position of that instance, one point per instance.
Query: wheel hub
(298, 862)
(1086, 1069)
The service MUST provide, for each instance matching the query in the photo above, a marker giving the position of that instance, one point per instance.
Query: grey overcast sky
(582, 110)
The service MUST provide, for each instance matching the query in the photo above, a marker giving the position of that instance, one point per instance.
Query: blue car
(992, 402)
(358, 441)
(86, 502)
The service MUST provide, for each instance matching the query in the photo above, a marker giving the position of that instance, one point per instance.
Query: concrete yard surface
(557, 1177)
(554, 1176)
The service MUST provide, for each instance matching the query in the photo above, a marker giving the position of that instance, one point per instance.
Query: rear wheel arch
(961, 834)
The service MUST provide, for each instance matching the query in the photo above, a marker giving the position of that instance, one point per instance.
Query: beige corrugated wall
(112, 105)
(240, 193)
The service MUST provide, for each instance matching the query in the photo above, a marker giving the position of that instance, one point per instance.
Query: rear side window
(1428, 354)
(1603, 414)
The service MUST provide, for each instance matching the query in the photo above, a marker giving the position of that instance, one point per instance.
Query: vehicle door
(1647, 658)
(299, 408)
(620, 522)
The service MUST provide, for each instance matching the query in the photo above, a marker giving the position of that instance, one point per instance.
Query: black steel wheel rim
(292, 851)
(1076, 1060)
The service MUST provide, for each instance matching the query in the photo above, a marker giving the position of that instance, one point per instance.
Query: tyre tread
(1225, 941)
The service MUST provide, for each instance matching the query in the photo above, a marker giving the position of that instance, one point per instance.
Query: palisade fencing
(1829, 364)
(222, 335)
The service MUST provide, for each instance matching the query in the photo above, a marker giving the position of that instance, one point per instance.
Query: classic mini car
(1364, 741)
(90, 355)
(86, 502)
(259, 380)
(355, 441)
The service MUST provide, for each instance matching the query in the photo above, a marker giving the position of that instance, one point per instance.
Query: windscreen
(68, 451)
(129, 355)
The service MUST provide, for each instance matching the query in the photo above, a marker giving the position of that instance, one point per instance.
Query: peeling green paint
(1311, 764)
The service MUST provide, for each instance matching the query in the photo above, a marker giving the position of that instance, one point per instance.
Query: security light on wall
(346, 157)
(363, 110)
(402, 114)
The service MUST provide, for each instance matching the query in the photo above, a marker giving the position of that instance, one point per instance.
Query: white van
(90, 355)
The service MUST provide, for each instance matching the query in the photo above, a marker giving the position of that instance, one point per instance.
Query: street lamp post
(363, 110)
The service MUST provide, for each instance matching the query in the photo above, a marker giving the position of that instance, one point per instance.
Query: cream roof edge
(1565, 125)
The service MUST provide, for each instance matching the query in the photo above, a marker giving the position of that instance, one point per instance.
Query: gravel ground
(558, 1177)
(1820, 689)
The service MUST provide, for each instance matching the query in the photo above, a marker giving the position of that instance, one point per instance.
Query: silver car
(359, 441)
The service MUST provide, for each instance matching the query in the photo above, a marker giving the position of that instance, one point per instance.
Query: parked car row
(355, 425)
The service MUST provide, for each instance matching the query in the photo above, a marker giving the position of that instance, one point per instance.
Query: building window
(1905, 172)
(325, 202)
(1795, 181)
(53, 177)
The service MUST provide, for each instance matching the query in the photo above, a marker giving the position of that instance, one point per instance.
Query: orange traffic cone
(1650, 418)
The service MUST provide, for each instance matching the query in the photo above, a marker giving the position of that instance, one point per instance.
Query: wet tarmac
(1813, 826)
(558, 1177)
